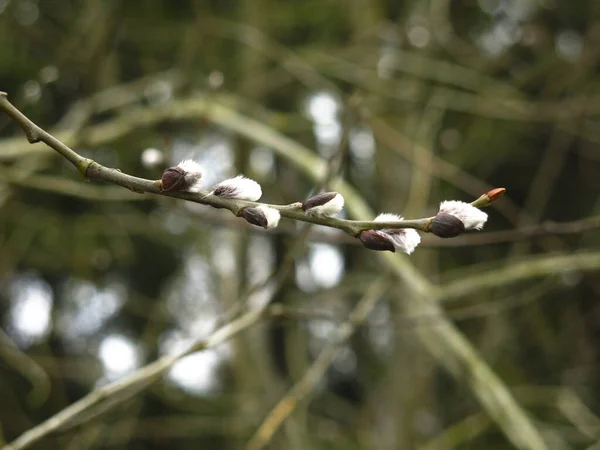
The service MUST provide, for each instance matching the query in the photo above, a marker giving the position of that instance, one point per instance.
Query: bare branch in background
(114, 393)
(307, 384)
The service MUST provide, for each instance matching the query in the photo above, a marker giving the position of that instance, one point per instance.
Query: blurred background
(411, 103)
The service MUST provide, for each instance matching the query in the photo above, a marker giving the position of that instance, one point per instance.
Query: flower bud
(325, 204)
(376, 240)
(446, 225)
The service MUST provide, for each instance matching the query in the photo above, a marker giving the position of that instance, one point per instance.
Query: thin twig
(93, 170)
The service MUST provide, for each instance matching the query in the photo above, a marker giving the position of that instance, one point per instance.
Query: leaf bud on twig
(495, 194)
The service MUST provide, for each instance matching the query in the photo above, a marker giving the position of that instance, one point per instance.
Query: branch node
(83, 165)
(32, 136)
(427, 226)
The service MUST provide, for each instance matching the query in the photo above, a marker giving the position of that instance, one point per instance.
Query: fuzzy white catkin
(471, 217)
(240, 187)
(190, 166)
(329, 209)
(192, 175)
(405, 240)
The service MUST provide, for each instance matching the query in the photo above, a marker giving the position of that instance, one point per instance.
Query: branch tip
(495, 194)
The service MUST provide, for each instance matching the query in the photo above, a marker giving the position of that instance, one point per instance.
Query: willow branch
(36, 134)
(72, 188)
(95, 171)
(64, 186)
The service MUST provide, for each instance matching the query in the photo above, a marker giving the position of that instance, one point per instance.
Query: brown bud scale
(376, 240)
(173, 179)
(318, 200)
(446, 226)
(254, 216)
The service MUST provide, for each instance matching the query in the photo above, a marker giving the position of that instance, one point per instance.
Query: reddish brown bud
(255, 216)
(376, 240)
(173, 179)
(446, 226)
(495, 194)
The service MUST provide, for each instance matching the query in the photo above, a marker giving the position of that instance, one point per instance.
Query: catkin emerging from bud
(240, 188)
(173, 179)
(446, 226)
(471, 217)
(262, 216)
(185, 176)
(376, 240)
(325, 204)
(403, 240)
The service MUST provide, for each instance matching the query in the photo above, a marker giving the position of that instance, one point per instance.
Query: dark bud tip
(318, 200)
(173, 179)
(254, 216)
(446, 226)
(376, 240)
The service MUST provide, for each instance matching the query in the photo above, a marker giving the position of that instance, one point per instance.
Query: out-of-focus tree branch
(519, 271)
(119, 391)
(311, 377)
(27, 367)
